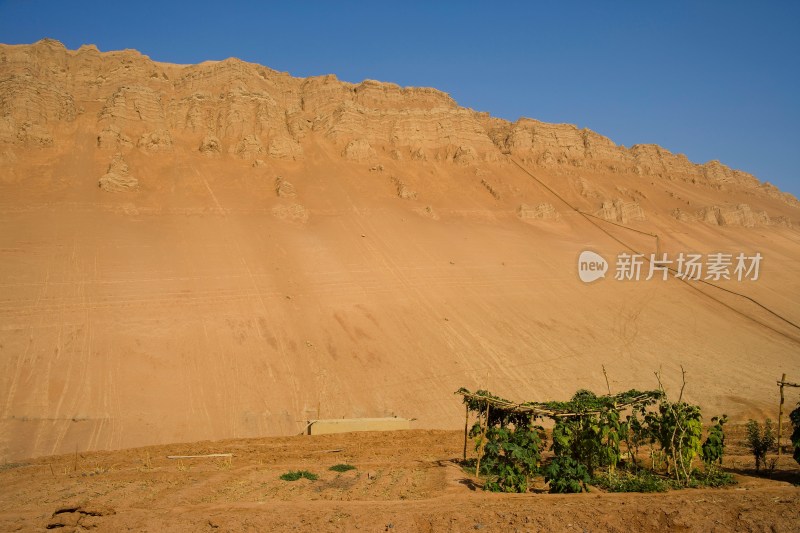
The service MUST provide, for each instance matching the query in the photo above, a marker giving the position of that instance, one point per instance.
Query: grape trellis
(587, 435)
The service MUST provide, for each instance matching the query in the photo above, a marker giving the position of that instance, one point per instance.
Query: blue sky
(712, 80)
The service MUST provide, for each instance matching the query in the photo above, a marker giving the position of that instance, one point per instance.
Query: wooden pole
(466, 425)
(780, 415)
(199, 456)
(483, 440)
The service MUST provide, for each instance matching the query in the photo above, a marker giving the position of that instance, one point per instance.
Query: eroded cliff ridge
(249, 111)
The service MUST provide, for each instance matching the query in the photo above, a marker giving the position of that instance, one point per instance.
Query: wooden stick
(533, 408)
(466, 425)
(199, 456)
(780, 416)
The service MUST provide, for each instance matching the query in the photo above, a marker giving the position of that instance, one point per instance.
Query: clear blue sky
(712, 80)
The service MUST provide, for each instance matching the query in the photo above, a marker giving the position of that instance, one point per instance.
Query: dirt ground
(403, 481)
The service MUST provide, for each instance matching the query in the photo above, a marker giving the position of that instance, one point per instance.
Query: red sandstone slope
(222, 250)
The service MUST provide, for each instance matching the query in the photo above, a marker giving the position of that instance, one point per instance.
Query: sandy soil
(190, 294)
(403, 481)
(246, 324)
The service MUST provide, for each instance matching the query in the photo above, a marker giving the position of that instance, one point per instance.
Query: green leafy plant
(587, 437)
(635, 433)
(794, 416)
(760, 441)
(512, 456)
(509, 446)
(294, 475)
(593, 441)
(342, 467)
(565, 475)
(714, 445)
(678, 429)
(625, 481)
(712, 476)
(592, 431)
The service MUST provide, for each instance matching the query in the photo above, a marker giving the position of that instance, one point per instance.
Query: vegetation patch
(760, 441)
(588, 434)
(794, 416)
(712, 477)
(565, 474)
(342, 467)
(625, 481)
(294, 475)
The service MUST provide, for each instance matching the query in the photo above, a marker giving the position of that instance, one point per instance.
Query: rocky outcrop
(402, 189)
(28, 105)
(359, 150)
(112, 138)
(491, 189)
(729, 215)
(134, 109)
(256, 112)
(285, 148)
(248, 148)
(117, 178)
(618, 210)
(567, 146)
(465, 155)
(543, 211)
(284, 189)
(741, 215)
(156, 141)
(210, 146)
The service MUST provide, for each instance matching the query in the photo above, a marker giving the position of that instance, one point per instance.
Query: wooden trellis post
(466, 430)
(483, 441)
(782, 383)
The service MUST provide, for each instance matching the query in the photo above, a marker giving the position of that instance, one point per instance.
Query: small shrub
(511, 457)
(713, 476)
(591, 439)
(635, 433)
(565, 474)
(624, 481)
(794, 416)
(510, 450)
(677, 428)
(294, 475)
(760, 442)
(342, 467)
(714, 445)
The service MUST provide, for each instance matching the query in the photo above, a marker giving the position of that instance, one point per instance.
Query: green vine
(794, 416)
(588, 435)
(714, 445)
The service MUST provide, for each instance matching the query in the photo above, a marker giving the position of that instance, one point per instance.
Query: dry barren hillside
(222, 250)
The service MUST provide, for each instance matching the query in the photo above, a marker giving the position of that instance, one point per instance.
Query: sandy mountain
(222, 250)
